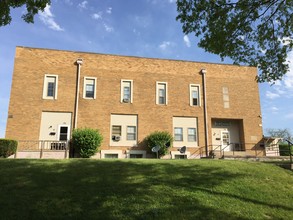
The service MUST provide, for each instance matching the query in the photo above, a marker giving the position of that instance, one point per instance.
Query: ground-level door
(63, 132)
(227, 135)
(225, 140)
(55, 130)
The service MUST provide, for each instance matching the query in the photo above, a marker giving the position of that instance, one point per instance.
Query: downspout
(203, 72)
(78, 63)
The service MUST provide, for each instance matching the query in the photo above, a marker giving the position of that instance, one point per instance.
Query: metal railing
(234, 148)
(199, 152)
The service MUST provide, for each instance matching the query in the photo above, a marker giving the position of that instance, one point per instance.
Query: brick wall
(26, 103)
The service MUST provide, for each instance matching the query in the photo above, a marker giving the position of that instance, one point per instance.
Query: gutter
(203, 72)
(78, 63)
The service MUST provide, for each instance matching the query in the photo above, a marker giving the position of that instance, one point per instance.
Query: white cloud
(109, 10)
(272, 95)
(274, 109)
(165, 45)
(48, 19)
(97, 16)
(187, 41)
(82, 5)
(108, 28)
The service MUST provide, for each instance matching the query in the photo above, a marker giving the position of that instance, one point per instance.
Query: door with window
(63, 134)
(225, 138)
(63, 137)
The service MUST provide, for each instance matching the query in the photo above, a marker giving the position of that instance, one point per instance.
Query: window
(89, 88)
(126, 91)
(178, 156)
(50, 87)
(136, 156)
(178, 134)
(116, 130)
(185, 132)
(124, 130)
(116, 133)
(161, 93)
(191, 134)
(226, 97)
(194, 95)
(111, 156)
(131, 133)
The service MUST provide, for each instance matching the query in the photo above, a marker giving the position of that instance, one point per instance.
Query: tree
(281, 133)
(32, 7)
(252, 32)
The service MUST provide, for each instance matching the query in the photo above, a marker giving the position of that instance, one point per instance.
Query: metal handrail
(198, 152)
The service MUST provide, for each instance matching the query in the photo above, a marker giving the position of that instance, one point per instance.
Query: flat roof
(152, 58)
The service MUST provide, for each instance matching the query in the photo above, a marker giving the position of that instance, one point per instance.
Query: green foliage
(284, 150)
(7, 147)
(32, 7)
(159, 138)
(256, 33)
(86, 141)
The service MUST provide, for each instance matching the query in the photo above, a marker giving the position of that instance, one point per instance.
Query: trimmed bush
(284, 150)
(159, 138)
(86, 141)
(7, 147)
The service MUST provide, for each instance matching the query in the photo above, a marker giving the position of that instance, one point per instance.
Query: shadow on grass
(133, 189)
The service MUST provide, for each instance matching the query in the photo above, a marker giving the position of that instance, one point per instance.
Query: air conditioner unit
(126, 100)
(116, 138)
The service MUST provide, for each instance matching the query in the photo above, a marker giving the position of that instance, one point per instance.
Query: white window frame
(122, 90)
(185, 123)
(59, 132)
(128, 152)
(131, 126)
(173, 153)
(124, 121)
(119, 152)
(157, 92)
(45, 87)
(195, 135)
(191, 86)
(181, 135)
(84, 87)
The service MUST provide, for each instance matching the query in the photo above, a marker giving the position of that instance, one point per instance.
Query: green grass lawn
(144, 189)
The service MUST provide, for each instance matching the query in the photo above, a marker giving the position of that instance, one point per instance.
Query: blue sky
(145, 28)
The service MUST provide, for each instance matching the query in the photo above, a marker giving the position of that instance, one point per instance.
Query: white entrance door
(63, 132)
(225, 138)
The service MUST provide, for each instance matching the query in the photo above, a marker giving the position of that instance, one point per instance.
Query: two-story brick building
(205, 106)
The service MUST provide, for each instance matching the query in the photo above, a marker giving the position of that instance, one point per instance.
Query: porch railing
(42, 149)
(42, 145)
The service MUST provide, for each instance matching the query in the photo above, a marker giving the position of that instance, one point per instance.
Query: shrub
(159, 138)
(86, 141)
(284, 150)
(7, 147)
